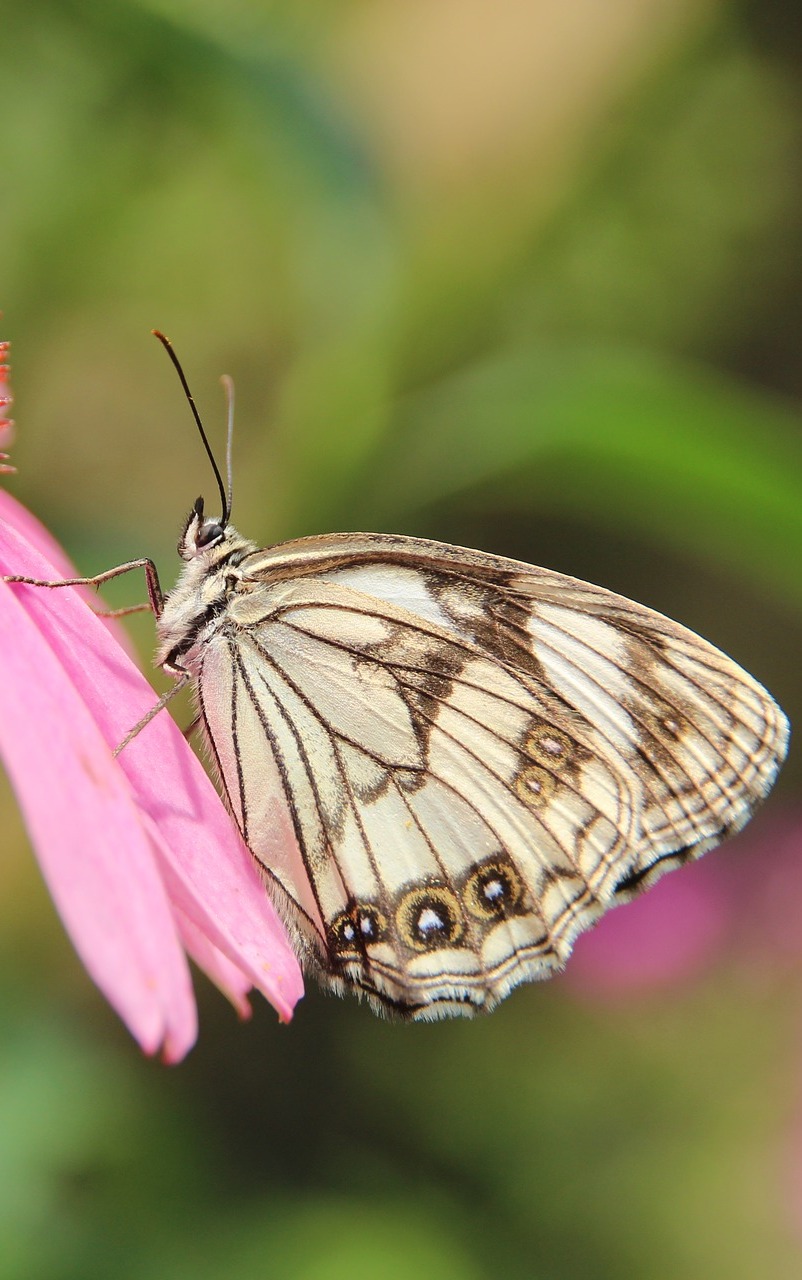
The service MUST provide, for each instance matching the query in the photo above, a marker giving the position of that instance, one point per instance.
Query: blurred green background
(525, 276)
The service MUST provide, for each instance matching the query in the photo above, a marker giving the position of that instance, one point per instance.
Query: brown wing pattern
(476, 758)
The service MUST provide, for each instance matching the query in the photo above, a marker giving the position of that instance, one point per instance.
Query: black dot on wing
(549, 746)
(369, 924)
(428, 917)
(361, 926)
(494, 889)
(535, 786)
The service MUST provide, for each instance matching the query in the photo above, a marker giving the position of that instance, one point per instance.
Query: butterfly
(478, 757)
(447, 763)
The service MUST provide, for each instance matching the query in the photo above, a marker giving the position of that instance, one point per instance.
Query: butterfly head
(200, 533)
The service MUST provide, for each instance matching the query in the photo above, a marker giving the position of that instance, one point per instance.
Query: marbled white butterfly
(448, 763)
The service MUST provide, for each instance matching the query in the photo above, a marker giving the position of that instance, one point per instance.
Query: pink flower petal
(209, 873)
(135, 851)
(41, 539)
(33, 531)
(214, 882)
(6, 427)
(228, 977)
(79, 810)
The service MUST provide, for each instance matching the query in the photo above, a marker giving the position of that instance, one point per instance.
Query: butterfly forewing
(448, 763)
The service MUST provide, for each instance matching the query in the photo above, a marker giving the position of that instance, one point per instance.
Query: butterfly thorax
(212, 554)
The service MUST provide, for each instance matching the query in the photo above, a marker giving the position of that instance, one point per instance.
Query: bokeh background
(525, 276)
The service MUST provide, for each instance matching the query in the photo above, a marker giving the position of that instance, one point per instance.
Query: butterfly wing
(476, 758)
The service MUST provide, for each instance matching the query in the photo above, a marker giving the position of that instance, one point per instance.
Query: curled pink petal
(212, 875)
(228, 977)
(94, 853)
(6, 426)
(208, 874)
(17, 517)
(13, 514)
(215, 883)
(138, 851)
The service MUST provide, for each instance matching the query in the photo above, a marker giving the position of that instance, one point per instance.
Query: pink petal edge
(41, 539)
(228, 977)
(76, 802)
(20, 519)
(213, 878)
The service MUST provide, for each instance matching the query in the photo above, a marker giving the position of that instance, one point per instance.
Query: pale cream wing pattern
(476, 758)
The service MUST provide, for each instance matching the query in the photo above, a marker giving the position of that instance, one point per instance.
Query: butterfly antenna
(168, 346)
(228, 386)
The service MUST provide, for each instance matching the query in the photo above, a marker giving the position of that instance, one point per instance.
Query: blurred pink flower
(139, 854)
(661, 938)
(766, 887)
(746, 902)
(6, 426)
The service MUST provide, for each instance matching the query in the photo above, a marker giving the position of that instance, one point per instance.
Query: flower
(140, 856)
(6, 426)
(662, 938)
(736, 906)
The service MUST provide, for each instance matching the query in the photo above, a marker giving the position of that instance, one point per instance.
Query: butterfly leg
(180, 684)
(122, 613)
(155, 594)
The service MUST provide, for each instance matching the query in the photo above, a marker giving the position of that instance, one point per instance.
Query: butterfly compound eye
(209, 533)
